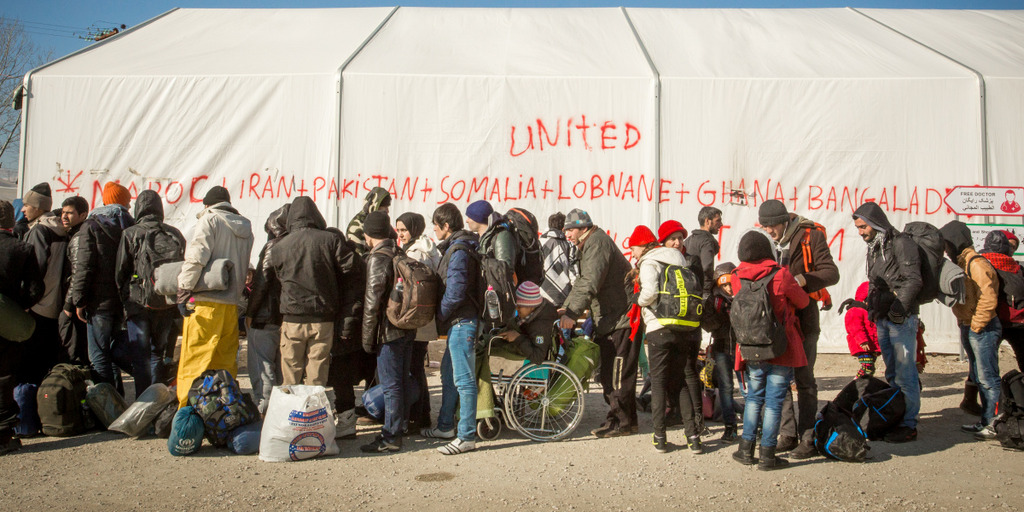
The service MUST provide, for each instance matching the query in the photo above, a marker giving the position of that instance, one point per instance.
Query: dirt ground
(944, 470)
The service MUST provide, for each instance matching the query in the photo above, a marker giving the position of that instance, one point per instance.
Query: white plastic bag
(135, 421)
(299, 425)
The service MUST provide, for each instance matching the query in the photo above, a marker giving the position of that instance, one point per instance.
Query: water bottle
(493, 306)
(396, 293)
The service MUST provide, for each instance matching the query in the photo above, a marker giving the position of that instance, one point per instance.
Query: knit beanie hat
(39, 196)
(723, 270)
(114, 193)
(578, 219)
(479, 211)
(772, 212)
(377, 225)
(669, 227)
(216, 195)
(755, 245)
(6, 215)
(642, 235)
(528, 294)
(1010, 236)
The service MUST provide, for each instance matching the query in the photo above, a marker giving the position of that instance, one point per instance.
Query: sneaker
(436, 433)
(987, 433)
(694, 444)
(729, 436)
(660, 443)
(973, 428)
(901, 435)
(379, 445)
(457, 446)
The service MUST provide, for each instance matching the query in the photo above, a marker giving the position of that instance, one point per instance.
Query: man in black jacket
(93, 287)
(392, 345)
(703, 244)
(894, 271)
(73, 335)
(313, 268)
(153, 327)
(20, 282)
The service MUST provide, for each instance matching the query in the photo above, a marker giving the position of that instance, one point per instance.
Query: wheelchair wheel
(544, 402)
(488, 428)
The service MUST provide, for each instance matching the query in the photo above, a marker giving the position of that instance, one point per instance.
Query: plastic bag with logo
(299, 425)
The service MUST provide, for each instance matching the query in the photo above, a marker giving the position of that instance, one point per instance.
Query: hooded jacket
(600, 287)
(894, 264)
(220, 233)
(459, 273)
(264, 302)
(149, 217)
(49, 240)
(376, 199)
(982, 284)
(823, 272)
(703, 245)
(860, 329)
(315, 269)
(424, 250)
(652, 264)
(787, 297)
(20, 279)
(380, 281)
(93, 284)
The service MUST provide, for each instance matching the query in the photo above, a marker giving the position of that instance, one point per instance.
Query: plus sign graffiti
(69, 183)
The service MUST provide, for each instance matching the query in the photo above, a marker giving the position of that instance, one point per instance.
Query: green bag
(583, 356)
(15, 323)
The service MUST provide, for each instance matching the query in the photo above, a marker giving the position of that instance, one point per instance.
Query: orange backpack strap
(821, 295)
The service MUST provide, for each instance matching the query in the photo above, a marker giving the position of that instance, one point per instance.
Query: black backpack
(529, 258)
(61, 401)
(1009, 423)
(679, 304)
(159, 246)
(873, 404)
(838, 437)
(498, 275)
(931, 250)
(219, 401)
(758, 333)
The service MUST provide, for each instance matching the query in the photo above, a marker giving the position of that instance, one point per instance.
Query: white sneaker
(345, 425)
(457, 446)
(987, 433)
(436, 433)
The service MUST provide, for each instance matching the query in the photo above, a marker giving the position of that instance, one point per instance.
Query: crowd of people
(316, 301)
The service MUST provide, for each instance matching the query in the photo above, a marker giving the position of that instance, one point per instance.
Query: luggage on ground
(28, 415)
(1009, 423)
(135, 420)
(299, 425)
(873, 404)
(105, 402)
(186, 435)
(245, 440)
(60, 401)
(837, 436)
(165, 420)
(217, 399)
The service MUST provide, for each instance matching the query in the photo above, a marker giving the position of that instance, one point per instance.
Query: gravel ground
(944, 470)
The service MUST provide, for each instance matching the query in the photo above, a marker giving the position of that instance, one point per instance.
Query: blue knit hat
(479, 211)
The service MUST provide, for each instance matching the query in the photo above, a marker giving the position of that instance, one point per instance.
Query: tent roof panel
(781, 43)
(504, 42)
(990, 42)
(230, 42)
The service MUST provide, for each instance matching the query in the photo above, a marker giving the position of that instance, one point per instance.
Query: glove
(897, 314)
(186, 303)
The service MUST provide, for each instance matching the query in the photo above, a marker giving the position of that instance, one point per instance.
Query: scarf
(1002, 262)
(635, 313)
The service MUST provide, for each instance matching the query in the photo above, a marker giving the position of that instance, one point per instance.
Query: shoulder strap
(967, 267)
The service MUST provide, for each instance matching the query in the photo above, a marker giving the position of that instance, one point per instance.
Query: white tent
(636, 115)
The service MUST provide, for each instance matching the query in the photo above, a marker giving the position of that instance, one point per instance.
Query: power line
(42, 24)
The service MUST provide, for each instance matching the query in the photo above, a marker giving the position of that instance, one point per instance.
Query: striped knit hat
(528, 294)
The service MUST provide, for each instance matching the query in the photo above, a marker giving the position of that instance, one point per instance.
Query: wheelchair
(541, 401)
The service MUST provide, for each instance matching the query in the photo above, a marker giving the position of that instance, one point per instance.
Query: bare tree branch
(18, 55)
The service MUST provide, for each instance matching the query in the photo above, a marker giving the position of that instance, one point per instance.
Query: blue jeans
(458, 380)
(105, 350)
(724, 364)
(983, 353)
(394, 361)
(898, 343)
(150, 335)
(766, 390)
(264, 359)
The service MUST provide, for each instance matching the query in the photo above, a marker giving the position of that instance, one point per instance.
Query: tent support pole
(657, 116)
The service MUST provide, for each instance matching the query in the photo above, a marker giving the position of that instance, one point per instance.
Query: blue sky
(55, 24)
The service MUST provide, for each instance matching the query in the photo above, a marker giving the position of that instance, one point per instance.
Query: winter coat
(49, 240)
(982, 290)
(424, 250)
(313, 266)
(149, 217)
(264, 302)
(380, 281)
(20, 279)
(536, 333)
(859, 328)
(718, 307)
(560, 269)
(603, 269)
(786, 297)
(652, 265)
(459, 272)
(93, 285)
(703, 245)
(373, 202)
(894, 264)
(220, 233)
(71, 263)
(824, 272)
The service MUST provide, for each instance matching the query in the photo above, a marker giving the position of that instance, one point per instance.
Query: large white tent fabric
(635, 115)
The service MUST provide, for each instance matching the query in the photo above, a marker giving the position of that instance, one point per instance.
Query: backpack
(758, 333)
(159, 246)
(529, 258)
(1009, 423)
(838, 437)
(419, 294)
(217, 399)
(873, 405)
(60, 400)
(499, 275)
(931, 250)
(679, 304)
(1011, 298)
(821, 295)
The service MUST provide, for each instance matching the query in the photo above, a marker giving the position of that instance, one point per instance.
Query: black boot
(806, 450)
(745, 453)
(970, 403)
(769, 461)
(729, 435)
(787, 443)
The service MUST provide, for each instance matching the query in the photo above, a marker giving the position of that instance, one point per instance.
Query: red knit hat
(1010, 236)
(114, 193)
(668, 228)
(642, 235)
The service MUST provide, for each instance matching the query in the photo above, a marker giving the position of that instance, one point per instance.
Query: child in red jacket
(861, 333)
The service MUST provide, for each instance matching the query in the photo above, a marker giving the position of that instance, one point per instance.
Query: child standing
(861, 333)
(716, 321)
